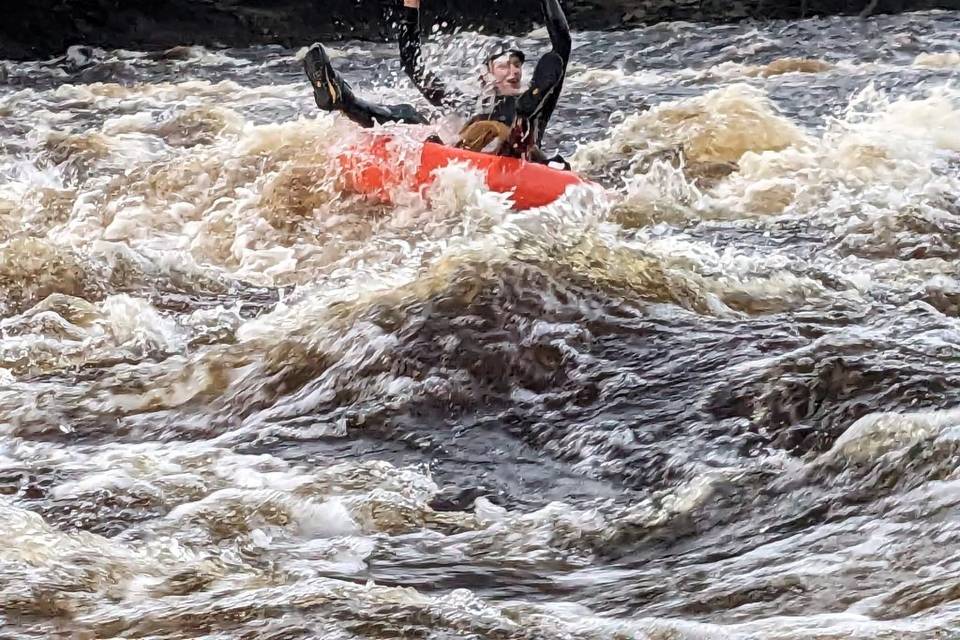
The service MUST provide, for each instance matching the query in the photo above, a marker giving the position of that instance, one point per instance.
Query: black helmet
(503, 49)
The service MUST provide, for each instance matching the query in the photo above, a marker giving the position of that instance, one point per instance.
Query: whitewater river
(715, 397)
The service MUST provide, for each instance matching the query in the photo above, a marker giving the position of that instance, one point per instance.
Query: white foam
(876, 433)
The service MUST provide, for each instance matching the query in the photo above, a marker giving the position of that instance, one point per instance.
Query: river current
(716, 396)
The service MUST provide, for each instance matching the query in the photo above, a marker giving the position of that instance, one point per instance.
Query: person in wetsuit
(513, 118)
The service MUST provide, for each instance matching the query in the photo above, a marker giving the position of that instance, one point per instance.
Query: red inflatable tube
(372, 168)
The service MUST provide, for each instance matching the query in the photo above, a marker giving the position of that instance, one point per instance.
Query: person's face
(507, 72)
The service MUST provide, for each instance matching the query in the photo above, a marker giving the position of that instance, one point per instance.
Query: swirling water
(714, 397)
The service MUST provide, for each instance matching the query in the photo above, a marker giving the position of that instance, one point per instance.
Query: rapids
(717, 397)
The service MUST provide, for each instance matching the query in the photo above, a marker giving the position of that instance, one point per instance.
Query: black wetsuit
(502, 109)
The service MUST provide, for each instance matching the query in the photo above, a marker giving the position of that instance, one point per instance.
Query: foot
(328, 88)
(546, 79)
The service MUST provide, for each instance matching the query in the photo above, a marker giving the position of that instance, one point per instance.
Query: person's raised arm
(411, 58)
(557, 27)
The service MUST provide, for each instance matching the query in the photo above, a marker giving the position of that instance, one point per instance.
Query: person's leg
(366, 113)
(333, 93)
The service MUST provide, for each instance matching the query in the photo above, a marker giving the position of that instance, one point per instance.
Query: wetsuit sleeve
(559, 32)
(558, 29)
(411, 59)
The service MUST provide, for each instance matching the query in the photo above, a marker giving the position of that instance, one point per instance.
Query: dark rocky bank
(45, 28)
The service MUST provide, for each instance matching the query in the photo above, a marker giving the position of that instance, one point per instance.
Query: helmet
(502, 49)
